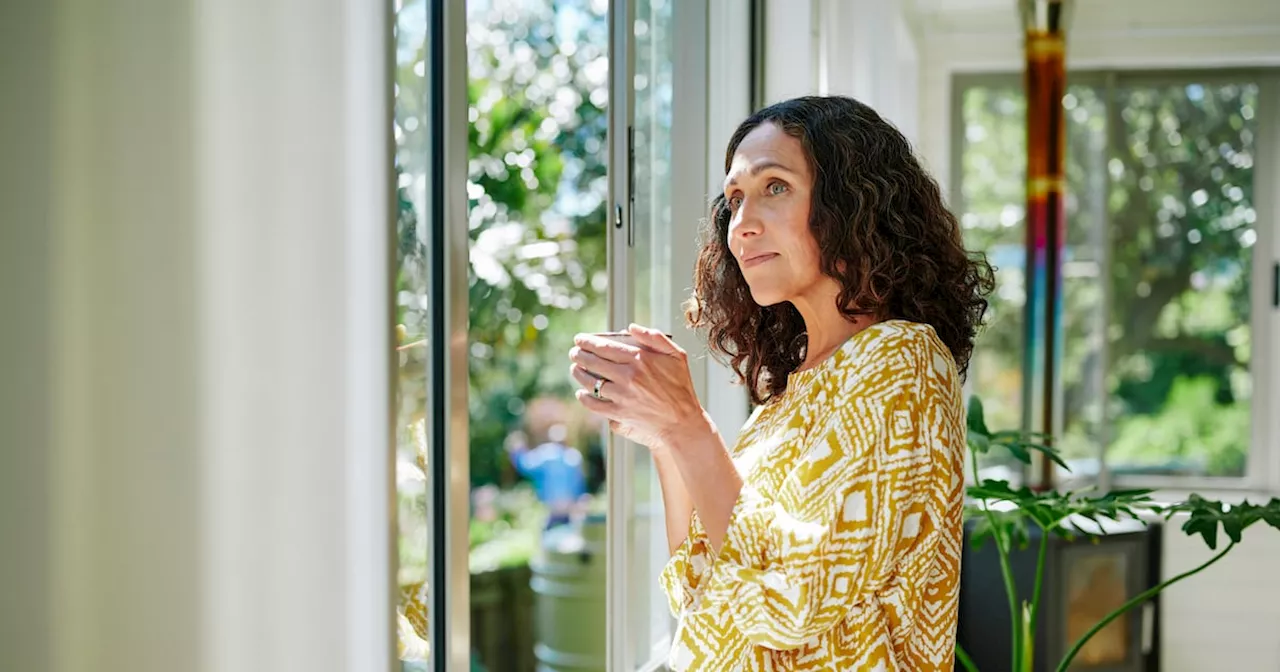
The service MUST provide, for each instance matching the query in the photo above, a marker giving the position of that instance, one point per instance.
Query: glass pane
(654, 301)
(993, 193)
(1083, 315)
(993, 163)
(1096, 585)
(538, 187)
(1182, 236)
(410, 404)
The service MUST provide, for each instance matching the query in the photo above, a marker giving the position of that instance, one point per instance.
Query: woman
(834, 280)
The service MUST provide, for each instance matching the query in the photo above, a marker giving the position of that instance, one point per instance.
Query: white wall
(790, 49)
(866, 50)
(26, 337)
(859, 48)
(195, 204)
(1228, 616)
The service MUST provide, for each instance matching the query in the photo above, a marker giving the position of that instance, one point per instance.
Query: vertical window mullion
(1113, 134)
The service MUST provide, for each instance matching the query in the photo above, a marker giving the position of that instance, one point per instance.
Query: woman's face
(769, 189)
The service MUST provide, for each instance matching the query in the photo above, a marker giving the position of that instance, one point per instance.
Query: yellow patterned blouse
(843, 550)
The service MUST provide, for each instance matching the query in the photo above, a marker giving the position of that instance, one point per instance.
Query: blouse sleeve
(684, 572)
(796, 562)
(682, 576)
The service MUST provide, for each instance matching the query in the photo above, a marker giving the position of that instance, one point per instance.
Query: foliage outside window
(538, 187)
(1161, 230)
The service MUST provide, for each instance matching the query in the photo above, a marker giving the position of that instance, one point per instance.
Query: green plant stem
(965, 660)
(1002, 552)
(1028, 640)
(1035, 595)
(1137, 599)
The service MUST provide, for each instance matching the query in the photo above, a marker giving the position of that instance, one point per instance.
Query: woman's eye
(735, 202)
(776, 188)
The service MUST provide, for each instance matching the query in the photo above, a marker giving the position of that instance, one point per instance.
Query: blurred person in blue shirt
(555, 469)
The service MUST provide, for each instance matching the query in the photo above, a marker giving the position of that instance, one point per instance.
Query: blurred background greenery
(1170, 165)
(537, 186)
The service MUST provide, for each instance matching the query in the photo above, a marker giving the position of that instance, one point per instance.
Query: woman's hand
(648, 392)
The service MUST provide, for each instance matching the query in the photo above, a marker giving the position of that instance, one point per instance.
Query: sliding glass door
(412, 294)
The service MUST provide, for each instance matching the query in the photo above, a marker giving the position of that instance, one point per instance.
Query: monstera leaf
(1206, 516)
(1003, 513)
(1019, 444)
(1050, 510)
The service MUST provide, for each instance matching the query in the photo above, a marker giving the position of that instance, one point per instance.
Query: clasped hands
(645, 390)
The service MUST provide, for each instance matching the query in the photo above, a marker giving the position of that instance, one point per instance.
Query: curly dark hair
(884, 234)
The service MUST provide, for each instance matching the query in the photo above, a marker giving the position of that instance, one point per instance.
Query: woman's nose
(744, 223)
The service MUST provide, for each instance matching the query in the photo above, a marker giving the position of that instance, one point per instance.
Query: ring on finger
(599, 385)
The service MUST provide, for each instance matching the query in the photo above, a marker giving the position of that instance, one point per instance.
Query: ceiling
(1191, 17)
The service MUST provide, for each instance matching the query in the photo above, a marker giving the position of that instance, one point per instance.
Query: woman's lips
(757, 259)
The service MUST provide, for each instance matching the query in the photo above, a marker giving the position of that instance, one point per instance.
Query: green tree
(538, 189)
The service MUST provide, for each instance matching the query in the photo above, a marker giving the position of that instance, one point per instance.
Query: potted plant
(1003, 515)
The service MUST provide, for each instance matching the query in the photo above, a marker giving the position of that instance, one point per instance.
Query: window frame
(1262, 467)
(449, 470)
(712, 89)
